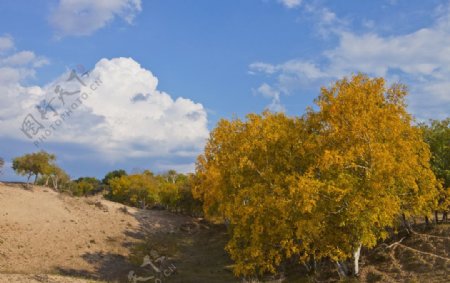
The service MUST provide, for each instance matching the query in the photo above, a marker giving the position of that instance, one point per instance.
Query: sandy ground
(44, 232)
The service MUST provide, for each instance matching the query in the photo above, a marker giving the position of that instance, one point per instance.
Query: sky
(131, 84)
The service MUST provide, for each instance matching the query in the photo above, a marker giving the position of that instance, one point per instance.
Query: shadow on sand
(181, 247)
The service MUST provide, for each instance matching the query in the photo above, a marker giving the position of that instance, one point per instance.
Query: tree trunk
(436, 217)
(427, 221)
(342, 269)
(35, 178)
(444, 216)
(55, 183)
(311, 265)
(406, 224)
(28, 180)
(356, 255)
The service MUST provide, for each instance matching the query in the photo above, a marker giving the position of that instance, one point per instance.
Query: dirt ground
(44, 232)
(50, 237)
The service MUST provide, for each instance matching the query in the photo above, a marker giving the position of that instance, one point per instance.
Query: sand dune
(44, 232)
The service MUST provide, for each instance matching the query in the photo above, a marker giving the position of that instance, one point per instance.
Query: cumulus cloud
(419, 58)
(83, 17)
(154, 124)
(15, 68)
(100, 110)
(24, 58)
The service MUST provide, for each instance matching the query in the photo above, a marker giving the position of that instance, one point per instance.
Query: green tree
(437, 135)
(2, 163)
(175, 193)
(55, 178)
(34, 164)
(187, 204)
(113, 174)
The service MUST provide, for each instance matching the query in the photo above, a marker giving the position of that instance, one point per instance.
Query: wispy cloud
(419, 58)
(6, 43)
(291, 3)
(84, 17)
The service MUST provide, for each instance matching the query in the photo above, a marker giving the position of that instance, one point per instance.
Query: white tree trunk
(356, 255)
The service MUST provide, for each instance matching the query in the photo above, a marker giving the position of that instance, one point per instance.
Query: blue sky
(169, 70)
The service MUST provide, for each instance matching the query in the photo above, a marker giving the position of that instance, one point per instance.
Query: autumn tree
(84, 186)
(138, 189)
(253, 176)
(373, 163)
(320, 186)
(55, 178)
(175, 193)
(169, 184)
(34, 164)
(437, 135)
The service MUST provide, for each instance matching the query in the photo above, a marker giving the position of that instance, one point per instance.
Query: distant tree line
(170, 190)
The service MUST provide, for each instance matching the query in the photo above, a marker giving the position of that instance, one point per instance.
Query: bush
(140, 190)
(113, 174)
(85, 186)
(170, 190)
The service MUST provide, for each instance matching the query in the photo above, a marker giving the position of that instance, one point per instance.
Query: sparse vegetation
(56, 178)
(170, 190)
(34, 164)
(84, 186)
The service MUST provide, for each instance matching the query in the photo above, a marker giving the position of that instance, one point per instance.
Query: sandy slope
(43, 232)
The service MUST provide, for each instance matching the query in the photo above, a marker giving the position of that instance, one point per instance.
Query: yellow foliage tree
(138, 190)
(319, 186)
(373, 163)
(253, 176)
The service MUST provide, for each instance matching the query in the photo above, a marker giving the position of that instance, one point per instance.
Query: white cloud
(179, 167)
(290, 76)
(420, 59)
(269, 92)
(83, 17)
(16, 68)
(24, 58)
(125, 116)
(325, 21)
(291, 3)
(6, 43)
